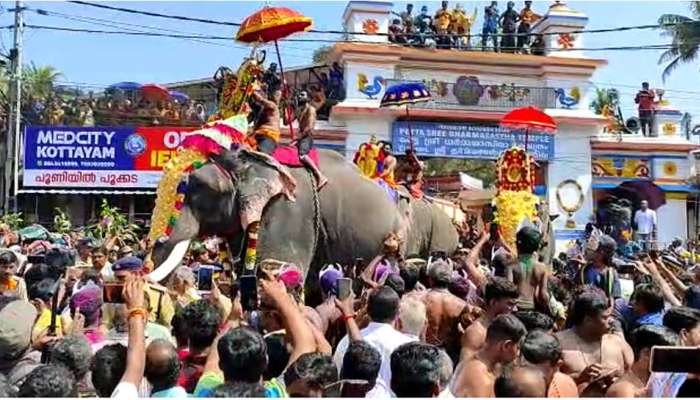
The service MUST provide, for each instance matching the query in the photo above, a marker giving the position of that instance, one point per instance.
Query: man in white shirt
(645, 220)
(382, 307)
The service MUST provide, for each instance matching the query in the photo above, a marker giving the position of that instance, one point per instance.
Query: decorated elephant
(347, 219)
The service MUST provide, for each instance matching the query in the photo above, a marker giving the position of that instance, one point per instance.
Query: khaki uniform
(162, 308)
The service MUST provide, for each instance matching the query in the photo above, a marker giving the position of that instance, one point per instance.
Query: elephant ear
(288, 183)
(215, 177)
(260, 179)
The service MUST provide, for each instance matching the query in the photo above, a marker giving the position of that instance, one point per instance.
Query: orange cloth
(8, 285)
(270, 133)
(562, 386)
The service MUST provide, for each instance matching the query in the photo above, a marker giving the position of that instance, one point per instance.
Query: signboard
(98, 157)
(434, 139)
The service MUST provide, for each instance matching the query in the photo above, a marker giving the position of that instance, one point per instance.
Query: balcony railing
(468, 93)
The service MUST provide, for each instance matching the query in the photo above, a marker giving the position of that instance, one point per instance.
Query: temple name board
(434, 139)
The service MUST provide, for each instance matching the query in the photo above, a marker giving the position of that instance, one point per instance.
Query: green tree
(685, 34)
(605, 97)
(321, 54)
(39, 81)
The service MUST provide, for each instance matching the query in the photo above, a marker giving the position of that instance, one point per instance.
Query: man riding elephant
(307, 122)
(266, 131)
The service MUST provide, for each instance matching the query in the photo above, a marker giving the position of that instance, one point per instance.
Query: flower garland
(515, 200)
(570, 223)
(511, 208)
(194, 153)
(579, 202)
(170, 195)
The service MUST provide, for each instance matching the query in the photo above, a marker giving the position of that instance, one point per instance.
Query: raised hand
(134, 292)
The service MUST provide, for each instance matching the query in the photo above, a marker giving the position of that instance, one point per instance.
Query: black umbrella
(636, 191)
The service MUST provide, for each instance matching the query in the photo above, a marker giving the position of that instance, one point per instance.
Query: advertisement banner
(98, 157)
(451, 140)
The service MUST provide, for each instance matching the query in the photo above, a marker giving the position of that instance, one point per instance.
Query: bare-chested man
(331, 323)
(307, 122)
(529, 275)
(500, 295)
(593, 356)
(634, 382)
(475, 377)
(445, 311)
(267, 127)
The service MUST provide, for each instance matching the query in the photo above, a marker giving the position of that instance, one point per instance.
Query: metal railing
(468, 93)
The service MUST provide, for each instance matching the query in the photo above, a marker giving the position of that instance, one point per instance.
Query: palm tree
(685, 32)
(605, 99)
(40, 80)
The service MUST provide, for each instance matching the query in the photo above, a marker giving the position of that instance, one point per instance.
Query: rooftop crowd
(113, 110)
(490, 320)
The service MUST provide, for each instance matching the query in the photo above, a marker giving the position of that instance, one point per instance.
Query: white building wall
(672, 221)
(572, 160)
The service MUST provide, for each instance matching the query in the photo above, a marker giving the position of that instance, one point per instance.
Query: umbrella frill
(405, 93)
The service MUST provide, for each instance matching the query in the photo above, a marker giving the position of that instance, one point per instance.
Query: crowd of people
(508, 32)
(113, 110)
(81, 318)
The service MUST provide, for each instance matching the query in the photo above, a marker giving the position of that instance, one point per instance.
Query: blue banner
(97, 157)
(452, 140)
(55, 147)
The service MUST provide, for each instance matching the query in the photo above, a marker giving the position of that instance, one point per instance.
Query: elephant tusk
(173, 260)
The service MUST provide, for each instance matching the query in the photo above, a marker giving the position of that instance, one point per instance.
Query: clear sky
(101, 59)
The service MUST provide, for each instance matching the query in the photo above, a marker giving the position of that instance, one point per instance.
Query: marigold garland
(511, 208)
(171, 191)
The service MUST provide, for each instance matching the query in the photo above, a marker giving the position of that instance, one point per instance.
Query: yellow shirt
(155, 296)
(43, 322)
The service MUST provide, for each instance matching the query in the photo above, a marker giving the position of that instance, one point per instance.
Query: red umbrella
(153, 91)
(528, 118)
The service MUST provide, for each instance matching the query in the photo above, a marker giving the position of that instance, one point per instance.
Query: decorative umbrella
(179, 96)
(153, 91)
(406, 94)
(271, 24)
(528, 118)
(124, 86)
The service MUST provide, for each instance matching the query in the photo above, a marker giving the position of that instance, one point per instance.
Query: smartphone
(249, 292)
(205, 277)
(493, 231)
(113, 293)
(675, 359)
(627, 268)
(344, 288)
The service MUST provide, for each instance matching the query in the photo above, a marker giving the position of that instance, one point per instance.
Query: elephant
(347, 219)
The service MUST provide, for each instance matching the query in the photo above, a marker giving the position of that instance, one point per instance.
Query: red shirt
(645, 99)
(192, 367)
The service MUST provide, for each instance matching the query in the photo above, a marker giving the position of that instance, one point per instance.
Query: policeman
(162, 309)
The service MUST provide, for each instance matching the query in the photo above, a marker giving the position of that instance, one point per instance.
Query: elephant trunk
(168, 255)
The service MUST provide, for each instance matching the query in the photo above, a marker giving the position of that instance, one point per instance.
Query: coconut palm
(685, 32)
(605, 99)
(40, 80)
